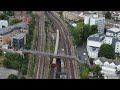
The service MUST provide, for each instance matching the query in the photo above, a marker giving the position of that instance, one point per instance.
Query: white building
(3, 23)
(113, 32)
(96, 40)
(93, 44)
(109, 67)
(96, 20)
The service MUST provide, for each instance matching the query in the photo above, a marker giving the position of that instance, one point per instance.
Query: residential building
(93, 44)
(7, 32)
(95, 20)
(23, 16)
(109, 67)
(72, 15)
(3, 23)
(18, 41)
(96, 40)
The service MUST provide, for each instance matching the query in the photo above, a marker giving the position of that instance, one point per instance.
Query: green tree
(12, 76)
(10, 13)
(4, 17)
(22, 77)
(12, 61)
(93, 29)
(108, 15)
(85, 33)
(96, 69)
(107, 51)
(1, 53)
(85, 73)
(15, 21)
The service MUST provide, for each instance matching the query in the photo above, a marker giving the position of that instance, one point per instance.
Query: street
(80, 53)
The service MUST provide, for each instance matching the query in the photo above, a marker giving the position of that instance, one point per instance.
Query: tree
(93, 29)
(22, 77)
(14, 21)
(12, 76)
(4, 17)
(84, 69)
(10, 13)
(1, 53)
(85, 33)
(12, 61)
(107, 51)
(96, 69)
(108, 15)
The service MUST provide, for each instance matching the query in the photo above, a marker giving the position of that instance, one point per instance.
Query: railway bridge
(34, 52)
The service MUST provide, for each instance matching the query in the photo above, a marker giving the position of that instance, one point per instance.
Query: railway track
(66, 45)
(40, 60)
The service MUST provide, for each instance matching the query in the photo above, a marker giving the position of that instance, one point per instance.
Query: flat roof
(96, 37)
(114, 29)
(19, 36)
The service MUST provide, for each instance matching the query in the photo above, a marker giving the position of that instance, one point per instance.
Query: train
(56, 48)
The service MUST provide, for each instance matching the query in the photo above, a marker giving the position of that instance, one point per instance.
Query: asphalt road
(80, 53)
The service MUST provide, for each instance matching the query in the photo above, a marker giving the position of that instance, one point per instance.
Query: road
(80, 53)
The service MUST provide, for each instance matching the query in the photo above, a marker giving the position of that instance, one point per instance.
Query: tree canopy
(12, 60)
(12, 76)
(15, 21)
(108, 15)
(107, 51)
(84, 71)
(82, 32)
(3, 17)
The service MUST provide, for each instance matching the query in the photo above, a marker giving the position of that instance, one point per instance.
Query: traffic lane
(80, 53)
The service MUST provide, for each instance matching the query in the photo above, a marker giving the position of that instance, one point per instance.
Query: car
(79, 57)
(84, 53)
(118, 72)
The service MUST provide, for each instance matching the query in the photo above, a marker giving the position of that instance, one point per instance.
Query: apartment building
(109, 67)
(18, 41)
(96, 40)
(95, 20)
(93, 44)
(7, 32)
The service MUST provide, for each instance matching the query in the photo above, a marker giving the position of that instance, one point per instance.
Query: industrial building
(18, 41)
(7, 32)
(111, 37)
(95, 20)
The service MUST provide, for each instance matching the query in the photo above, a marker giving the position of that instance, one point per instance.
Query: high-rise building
(96, 20)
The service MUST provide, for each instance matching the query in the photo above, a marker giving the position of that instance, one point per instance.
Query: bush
(12, 76)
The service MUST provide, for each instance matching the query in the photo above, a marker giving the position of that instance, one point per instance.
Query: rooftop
(11, 28)
(19, 36)
(114, 29)
(103, 59)
(96, 37)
